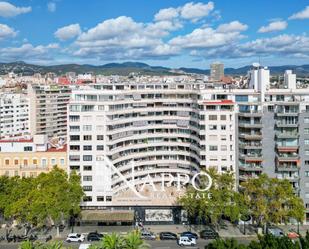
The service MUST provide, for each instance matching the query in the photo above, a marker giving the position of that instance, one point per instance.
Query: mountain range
(126, 68)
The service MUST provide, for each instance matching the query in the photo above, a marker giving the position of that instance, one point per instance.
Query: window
(223, 127)
(74, 118)
(241, 98)
(87, 147)
(53, 161)
(74, 158)
(87, 188)
(306, 120)
(62, 162)
(223, 117)
(35, 161)
(306, 162)
(16, 162)
(87, 168)
(87, 137)
(213, 147)
(223, 147)
(25, 162)
(100, 137)
(100, 147)
(108, 198)
(87, 178)
(307, 152)
(74, 128)
(213, 137)
(87, 158)
(212, 117)
(306, 141)
(28, 148)
(7, 161)
(44, 162)
(100, 198)
(306, 173)
(87, 128)
(307, 195)
(87, 199)
(74, 147)
(212, 127)
(74, 138)
(223, 137)
(306, 131)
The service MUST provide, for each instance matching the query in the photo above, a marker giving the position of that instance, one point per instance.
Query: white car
(186, 241)
(75, 237)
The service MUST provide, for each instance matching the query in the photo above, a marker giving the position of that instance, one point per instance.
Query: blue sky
(172, 33)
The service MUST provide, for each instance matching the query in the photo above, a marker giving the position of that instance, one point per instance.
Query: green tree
(225, 244)
(50, 198)
(272, 200)
(221, 199)
(113, 241)
(133, 241)
(270, 242)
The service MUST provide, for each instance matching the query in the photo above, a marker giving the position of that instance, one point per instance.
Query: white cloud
(166, 14)
(6, 32)
(196, 11)
(51, 6)
(190, 11)
(234, 26)
(27, 51)
(304, 14)
(273, 26)
(68, 32)
(207, 37)
(122, 37)
(9, 10)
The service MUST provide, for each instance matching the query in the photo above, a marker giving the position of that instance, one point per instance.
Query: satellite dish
(255, 64)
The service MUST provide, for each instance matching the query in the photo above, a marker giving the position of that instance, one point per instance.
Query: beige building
(27, 158)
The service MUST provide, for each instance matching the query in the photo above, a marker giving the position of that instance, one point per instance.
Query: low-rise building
(30, 157)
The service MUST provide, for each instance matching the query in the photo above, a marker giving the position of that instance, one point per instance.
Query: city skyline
(173, 34)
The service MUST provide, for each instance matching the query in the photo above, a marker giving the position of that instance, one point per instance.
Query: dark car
(94, 236)
(189, 235)
(209, 233)
(168, 236)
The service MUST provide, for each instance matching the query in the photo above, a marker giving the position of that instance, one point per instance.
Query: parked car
(209, 233)
(148, 235)
(186, 241)
(75, 237)
(275, 231)
(168, 236)
(189, 235)
(94, 236)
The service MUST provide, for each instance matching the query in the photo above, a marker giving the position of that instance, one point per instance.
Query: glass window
(306, 120)
(241, 98)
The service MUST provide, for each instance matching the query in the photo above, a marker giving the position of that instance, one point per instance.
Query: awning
(107, 215)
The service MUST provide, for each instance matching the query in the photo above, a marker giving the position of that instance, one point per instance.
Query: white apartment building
(14, 115)
(48, 109)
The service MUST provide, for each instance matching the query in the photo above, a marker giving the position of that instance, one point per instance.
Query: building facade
(48, 109)
(30, 157)
(14, 115)
(216, 71)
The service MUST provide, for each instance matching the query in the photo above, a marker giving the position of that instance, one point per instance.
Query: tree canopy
(49, 198)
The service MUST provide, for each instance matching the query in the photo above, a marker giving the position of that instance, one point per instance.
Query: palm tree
(53, 245)
(133, 241)
(112, 241)
(26, 245)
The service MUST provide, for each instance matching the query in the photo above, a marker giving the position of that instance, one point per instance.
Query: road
(157, 244)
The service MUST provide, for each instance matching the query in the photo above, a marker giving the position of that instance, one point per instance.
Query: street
(157, 244)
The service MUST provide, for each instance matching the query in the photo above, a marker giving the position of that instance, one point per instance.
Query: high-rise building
(216, 71)
(14, 115)
(48, 109)
(129, 132)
